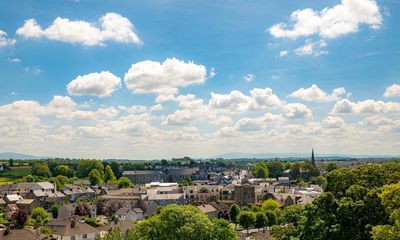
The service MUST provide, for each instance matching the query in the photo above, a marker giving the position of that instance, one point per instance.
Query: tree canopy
(182, 222)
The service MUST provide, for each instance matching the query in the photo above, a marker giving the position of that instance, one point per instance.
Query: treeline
(61, 173)
(358, 203)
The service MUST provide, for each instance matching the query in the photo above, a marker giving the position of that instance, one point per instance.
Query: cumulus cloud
(213, 72)
(376, 120)
(392, 91)
(314, 93)
(5, 41)
(283, 53)
(236, 101)
(256, 124)
(330, 22)
(110, 27)
(163, 78)
(297, 111)
(249, 77)
(369, 106)
(311, 48)
(189, 101)
(101, 84)
(332, 122)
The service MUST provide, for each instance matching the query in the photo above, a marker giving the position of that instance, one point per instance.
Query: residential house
(122, 225)
(10, 210)
(27, 204)
(144, 176)
(209, 210)
(179, 174)
(19, 234)
(129, 214)
(71, 229)
(12, 198)
(165, 199)
(67, 210)
(227, 193)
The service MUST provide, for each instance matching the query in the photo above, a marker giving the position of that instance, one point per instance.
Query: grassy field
(15, 173)
(7, 180)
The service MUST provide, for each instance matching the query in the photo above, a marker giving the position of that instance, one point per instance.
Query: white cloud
(392, 91)
(256, 124)
(249, 77)
(365, 107)
(213, 72)
(376, 120)
(237, 101)
(283, 53)
(297, 111)
(5, 41)
(311, 49)
(332, 122)
(110, 27)
(189, 101)
(333, 22)
(33, 70)
(101, 84)
(314, 93)
(14, 60)
(163, 78)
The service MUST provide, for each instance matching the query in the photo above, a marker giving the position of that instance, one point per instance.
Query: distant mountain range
(238, 155)
(233, 155)
(19, 156)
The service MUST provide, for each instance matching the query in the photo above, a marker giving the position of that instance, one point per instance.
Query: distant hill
(19, 156)
(239, 155)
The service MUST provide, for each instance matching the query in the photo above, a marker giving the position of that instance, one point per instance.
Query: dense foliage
(182, 222)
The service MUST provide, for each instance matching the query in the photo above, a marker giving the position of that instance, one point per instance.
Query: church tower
(312, 157)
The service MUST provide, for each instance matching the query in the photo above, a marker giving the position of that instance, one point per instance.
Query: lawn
(7, 180)
(9, 176)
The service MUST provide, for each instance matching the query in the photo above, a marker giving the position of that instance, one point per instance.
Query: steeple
(312, 157)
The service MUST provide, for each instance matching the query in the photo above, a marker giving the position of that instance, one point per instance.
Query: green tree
(331, 166)
(114, 234)
(181, 222)
(95, 177)
(275, 169)
(124, 182)
(109, 175)
(272, 218)
(30, 178)
(233, 212)
(246, 219)
(54, 210)
(270, 205)
(41, 169)
(261, 220)
(260, 170)
(222, 230)
(63, 170)
(295, 171)
(40, 215)
(86, 166)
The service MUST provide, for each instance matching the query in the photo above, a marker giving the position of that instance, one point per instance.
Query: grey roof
(141, 172)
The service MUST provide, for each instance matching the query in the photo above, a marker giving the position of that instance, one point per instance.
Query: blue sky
(199, 78)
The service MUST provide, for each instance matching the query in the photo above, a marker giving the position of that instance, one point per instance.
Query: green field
(7, 180)
(15, 173)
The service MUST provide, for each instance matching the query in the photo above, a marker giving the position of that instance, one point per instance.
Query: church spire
(312, 157)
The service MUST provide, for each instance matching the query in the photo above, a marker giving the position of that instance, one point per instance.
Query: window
(84, 235)
(73, 238)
